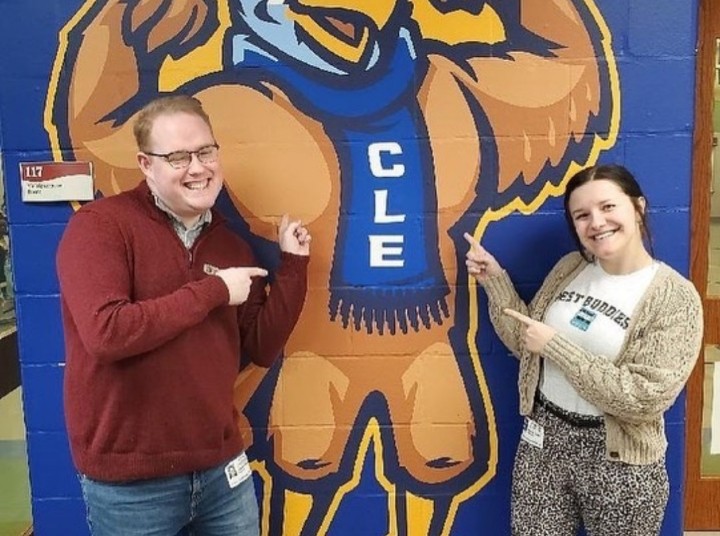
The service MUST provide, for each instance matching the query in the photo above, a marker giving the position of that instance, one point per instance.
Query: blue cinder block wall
(654, 44)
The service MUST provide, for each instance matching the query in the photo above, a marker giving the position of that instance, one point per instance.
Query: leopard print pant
(569, 482)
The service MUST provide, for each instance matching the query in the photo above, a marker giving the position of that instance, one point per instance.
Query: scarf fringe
(391, 309)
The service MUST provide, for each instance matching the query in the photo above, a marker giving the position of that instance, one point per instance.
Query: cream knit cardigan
(661, 345)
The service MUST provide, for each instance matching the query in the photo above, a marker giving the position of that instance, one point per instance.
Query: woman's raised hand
(480, 263)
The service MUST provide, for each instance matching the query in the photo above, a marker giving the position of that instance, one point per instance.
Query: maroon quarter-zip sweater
(152, 346)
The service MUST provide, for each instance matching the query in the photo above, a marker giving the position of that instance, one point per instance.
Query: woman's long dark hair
(625, 181)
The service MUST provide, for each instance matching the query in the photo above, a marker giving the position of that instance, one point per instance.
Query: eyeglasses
(183, 159)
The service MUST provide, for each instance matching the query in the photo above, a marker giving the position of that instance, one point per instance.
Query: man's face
(188, 192)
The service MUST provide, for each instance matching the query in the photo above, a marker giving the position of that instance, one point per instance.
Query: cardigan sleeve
(652, 370)
(502, 295)
(95, 278)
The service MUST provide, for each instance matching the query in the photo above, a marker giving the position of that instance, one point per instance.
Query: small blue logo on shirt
(583, 318)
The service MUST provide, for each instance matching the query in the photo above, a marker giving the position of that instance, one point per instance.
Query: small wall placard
(56, 181)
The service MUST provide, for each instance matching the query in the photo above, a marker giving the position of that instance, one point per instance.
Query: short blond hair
(171, 104)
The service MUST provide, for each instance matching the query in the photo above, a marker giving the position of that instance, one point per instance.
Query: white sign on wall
(56, 181)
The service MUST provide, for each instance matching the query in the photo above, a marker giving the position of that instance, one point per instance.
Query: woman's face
(607, 222)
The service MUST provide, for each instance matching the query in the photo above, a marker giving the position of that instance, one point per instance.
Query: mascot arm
(110, 69)
(536, 105)
(276, 159)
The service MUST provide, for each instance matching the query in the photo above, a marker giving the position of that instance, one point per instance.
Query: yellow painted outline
(258, 466)
(202, 60)
(599, 144)
(50, 127)
(372, 430)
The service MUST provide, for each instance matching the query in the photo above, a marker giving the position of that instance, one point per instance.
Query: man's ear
(143, 161)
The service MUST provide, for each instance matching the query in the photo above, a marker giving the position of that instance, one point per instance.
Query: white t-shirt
(593, 312)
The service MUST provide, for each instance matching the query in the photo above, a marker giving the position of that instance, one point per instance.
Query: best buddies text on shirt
(592, 306)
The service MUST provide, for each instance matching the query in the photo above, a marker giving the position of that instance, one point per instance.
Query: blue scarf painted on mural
(386, 271)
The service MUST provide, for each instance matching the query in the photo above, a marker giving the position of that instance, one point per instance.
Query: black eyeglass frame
(166, 156)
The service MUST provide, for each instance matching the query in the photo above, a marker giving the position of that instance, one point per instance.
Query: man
(159, 299)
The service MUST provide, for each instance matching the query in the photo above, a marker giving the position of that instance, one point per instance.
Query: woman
(605, 347)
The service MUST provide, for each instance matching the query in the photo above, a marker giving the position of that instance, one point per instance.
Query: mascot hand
(172, 26)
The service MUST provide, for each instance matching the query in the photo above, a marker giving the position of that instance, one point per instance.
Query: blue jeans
(201, 502)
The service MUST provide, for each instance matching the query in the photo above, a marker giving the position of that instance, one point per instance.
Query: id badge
(533, 433)
(237, 471)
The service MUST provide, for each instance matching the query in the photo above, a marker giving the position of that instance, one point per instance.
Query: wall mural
(389, 127)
